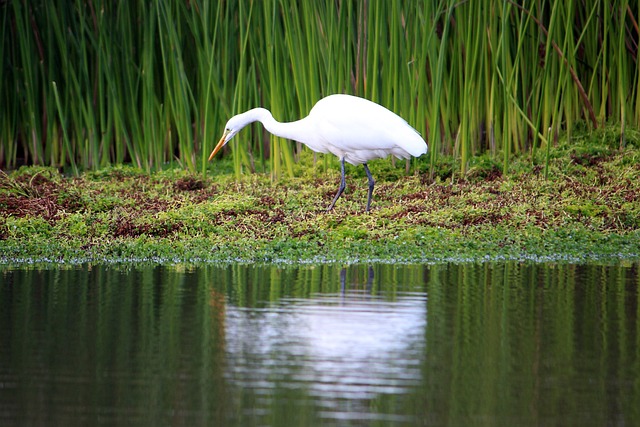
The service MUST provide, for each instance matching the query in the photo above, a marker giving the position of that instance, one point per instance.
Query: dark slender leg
(343, 184)
(370, 279)
(371, 184)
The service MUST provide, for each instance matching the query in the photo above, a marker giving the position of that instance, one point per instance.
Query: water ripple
(350, 346)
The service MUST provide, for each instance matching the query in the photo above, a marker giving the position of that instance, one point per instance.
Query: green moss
(27, 227)
(589, 207)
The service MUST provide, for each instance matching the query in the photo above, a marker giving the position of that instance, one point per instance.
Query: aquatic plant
(152, 83)
(589, 207)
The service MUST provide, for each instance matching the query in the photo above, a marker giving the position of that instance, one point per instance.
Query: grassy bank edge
(587, 209)
(482, 244)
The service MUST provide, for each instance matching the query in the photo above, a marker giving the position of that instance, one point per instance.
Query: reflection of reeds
(153, 82)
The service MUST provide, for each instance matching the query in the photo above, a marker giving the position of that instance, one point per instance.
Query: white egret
(354, 129)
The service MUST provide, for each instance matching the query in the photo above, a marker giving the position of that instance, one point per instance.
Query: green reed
(152, 83)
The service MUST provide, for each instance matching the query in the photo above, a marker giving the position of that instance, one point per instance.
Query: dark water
(470, 344)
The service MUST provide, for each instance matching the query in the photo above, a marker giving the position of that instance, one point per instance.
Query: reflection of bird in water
(354, 129)
(341, 348)
(343, 280)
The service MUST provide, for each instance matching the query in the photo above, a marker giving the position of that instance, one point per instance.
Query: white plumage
(354, 129)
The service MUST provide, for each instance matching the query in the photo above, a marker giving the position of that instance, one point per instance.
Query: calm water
(471, 344)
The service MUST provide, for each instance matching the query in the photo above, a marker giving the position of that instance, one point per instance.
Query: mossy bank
(588, 207)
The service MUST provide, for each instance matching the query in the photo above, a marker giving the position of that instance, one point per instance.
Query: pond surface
(454, 344)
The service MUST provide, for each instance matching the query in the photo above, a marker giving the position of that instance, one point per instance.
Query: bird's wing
(353, 124)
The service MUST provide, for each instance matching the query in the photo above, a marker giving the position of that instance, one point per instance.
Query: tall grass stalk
(152, 83)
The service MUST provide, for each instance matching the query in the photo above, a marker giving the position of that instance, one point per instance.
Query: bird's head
(229, 132)
(236, 123)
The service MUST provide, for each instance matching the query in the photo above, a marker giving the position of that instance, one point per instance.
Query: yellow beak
(220, 144)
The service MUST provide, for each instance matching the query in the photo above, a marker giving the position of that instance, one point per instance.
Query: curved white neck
(291, 130)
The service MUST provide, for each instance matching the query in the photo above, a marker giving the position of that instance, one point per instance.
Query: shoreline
(588, 208)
